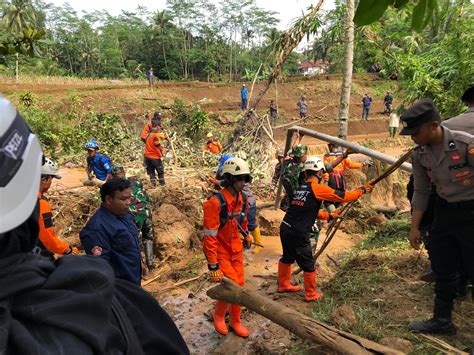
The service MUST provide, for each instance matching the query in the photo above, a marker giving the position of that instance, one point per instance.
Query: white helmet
(49, 168)
(235, 166)
(20, 165)
(314, 164)
(209, 135)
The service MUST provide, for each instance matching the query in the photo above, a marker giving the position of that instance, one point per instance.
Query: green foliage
(392, 235)
(369, 11)
(64, 135)
(191, 119)
(27, 99)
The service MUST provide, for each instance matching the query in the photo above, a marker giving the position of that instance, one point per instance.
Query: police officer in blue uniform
(446, 159)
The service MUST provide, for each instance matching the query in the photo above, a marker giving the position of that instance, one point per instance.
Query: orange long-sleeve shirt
(339, 169)
(223, 243)
(47, 234)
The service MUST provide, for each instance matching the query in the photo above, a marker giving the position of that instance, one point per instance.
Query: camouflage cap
(298, 151)
(117, 168)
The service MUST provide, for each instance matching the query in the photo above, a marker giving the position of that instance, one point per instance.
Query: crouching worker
(225, 219)
(296, 226)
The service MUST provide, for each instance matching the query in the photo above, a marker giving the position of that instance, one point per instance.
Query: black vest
(303, 209)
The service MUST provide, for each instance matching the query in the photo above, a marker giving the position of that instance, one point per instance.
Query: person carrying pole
(295, 229)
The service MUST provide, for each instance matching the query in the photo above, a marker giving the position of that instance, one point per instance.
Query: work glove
(215, 275)
(367, 188)
(368, 162)
(334, 214)
(247, 241)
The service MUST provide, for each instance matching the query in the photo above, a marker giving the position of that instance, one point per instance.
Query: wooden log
(296, 322)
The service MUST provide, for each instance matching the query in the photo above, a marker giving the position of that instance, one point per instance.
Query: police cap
(468, 95)
(421, 112)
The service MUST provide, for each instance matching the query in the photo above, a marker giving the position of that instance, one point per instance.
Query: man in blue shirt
(112, 234)
(243, 95)
(97, 163)
(366, 102)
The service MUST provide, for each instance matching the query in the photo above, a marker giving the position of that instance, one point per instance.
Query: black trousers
(152, 166)
(451, 249)
(296, 247)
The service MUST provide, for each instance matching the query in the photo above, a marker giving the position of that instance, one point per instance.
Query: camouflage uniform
(140, 211)
(291, 175)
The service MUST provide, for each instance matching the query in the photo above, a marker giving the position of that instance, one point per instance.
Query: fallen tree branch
(299, 324)
(446, 347)
(181, 283)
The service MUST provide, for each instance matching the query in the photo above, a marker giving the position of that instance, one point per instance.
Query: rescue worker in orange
(223, 244)
(154, 151)
(213, 146)
(336, 178)
(49, 242)
(295, 229)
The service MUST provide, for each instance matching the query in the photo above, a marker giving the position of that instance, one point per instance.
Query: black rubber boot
(434, 326)
(441, 323)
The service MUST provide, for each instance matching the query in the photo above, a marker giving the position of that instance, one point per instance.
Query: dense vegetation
(190, 39)
(435, 62)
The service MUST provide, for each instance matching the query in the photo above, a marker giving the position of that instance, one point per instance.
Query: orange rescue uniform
(336, 177)
(223, 246)
(213, 147)
(47, 235)
(153, 148)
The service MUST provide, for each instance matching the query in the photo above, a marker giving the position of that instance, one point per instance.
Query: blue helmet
(92, 144)
(222, 160)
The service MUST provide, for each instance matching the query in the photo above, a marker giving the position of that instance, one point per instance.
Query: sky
(287, 10)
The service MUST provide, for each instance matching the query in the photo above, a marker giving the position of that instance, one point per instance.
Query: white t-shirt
(394, 120)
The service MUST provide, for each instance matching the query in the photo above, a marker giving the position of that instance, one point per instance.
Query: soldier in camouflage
(291, 176)
(141, 213)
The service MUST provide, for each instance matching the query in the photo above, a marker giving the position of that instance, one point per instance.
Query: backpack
(224, 215)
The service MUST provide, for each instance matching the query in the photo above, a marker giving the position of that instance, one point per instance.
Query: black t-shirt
(303, 209)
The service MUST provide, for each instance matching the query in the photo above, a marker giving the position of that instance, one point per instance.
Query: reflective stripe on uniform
(210, 232)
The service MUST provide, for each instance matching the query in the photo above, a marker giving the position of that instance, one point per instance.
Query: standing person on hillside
(154, 152)
(302, 105)
(98, 164)
(73, 304)
(49, 242)
(446, 159)
(388, 103)
(298, 222)
(280, 156)
(366, 103)
(243, 96)
(222, 244)
(112, 234)
(150, 77)
(273, 110)
(393, 124)
(141, 213)
(213, 145)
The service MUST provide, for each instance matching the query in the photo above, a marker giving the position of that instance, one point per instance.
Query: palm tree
(161, 26)
(347, 70)
(19, 18)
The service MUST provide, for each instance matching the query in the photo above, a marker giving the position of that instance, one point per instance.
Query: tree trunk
(297, 323)
(347, 70)
(17, 73)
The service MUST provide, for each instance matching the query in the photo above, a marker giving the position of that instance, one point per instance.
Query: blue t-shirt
(366, 101)
(244, 93)
(101, 165)
(115, 239)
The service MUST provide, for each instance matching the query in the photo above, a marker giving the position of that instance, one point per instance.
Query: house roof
(313, 64)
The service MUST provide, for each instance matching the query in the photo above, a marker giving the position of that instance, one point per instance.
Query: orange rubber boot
(235, 323)
(284, 278)
(219, 317)
(310, 287)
